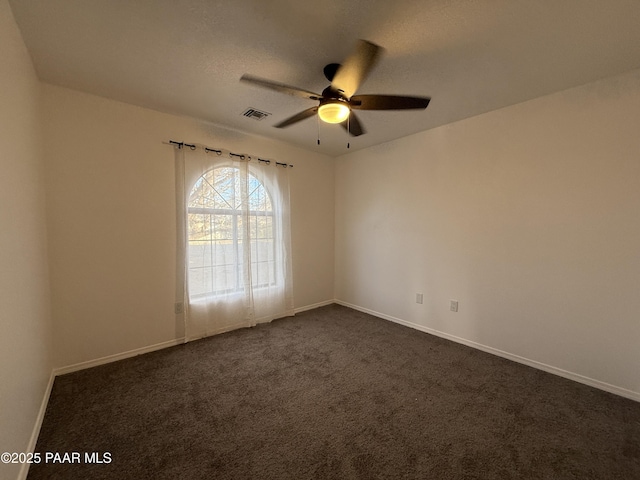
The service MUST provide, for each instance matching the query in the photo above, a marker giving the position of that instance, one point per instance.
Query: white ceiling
(186, 56)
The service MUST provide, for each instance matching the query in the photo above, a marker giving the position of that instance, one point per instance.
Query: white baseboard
(118, 356)
(33, 440)
(218, 331)
(623, 392)
(315, 305)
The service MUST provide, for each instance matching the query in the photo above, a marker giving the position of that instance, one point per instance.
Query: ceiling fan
(337, 101)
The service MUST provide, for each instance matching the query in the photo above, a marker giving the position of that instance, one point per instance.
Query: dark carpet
(333, 393)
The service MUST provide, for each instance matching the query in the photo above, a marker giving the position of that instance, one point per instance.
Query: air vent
(255, 114)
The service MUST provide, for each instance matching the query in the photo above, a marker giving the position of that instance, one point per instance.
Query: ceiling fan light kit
(338, 100)
(333, 112)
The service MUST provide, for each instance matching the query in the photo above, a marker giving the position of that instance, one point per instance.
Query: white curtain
(234, 241)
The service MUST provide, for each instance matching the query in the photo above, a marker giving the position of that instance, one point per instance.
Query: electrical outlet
(178, 308)
(453, 305)
(419, 298)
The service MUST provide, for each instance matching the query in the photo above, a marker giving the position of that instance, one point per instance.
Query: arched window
(233, 257)
(223, 231)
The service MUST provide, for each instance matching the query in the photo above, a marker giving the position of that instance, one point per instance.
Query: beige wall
(25, 341)
(111, 218)
(529, 216)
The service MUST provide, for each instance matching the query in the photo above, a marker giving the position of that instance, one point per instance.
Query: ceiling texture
(186, 56)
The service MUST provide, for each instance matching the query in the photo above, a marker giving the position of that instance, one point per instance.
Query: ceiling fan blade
(353, 125)
(388, 102)
(279, 87)
(309, 112)
(355, 68)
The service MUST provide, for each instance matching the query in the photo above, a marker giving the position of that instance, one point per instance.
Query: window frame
(236, 214)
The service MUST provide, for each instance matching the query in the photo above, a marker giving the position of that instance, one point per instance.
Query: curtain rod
(241, 156)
